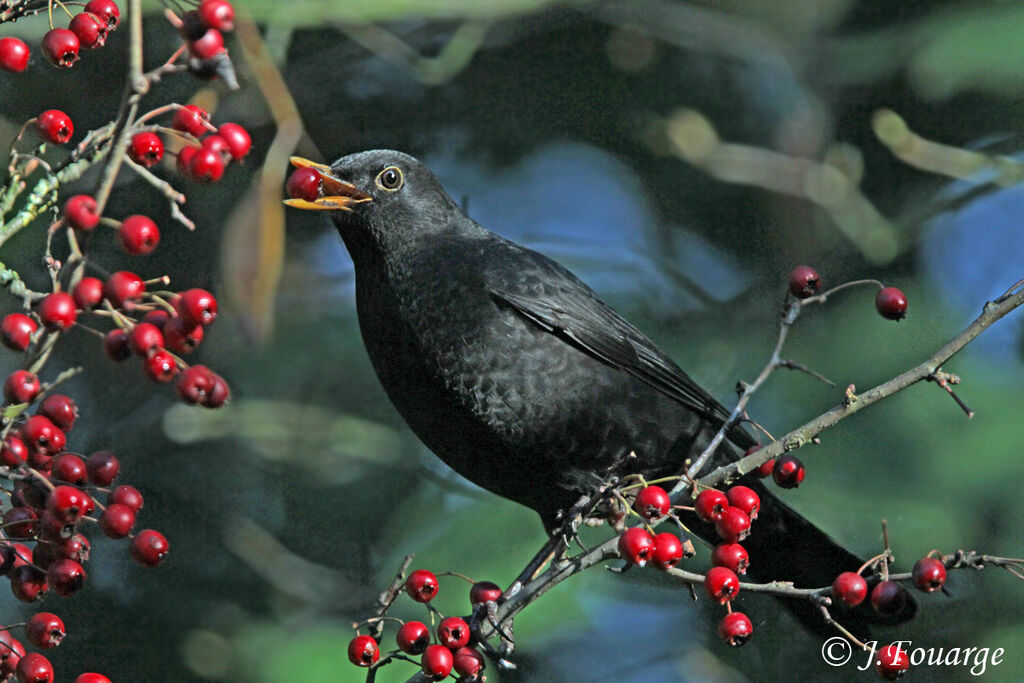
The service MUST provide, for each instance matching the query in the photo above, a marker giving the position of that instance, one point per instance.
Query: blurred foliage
(290, 511)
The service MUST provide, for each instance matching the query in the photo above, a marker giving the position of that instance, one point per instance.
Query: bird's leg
(555, 547)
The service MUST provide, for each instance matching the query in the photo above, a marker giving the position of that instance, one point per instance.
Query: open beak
(337, 194)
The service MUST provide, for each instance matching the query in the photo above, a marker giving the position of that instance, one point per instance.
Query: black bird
(517, 375)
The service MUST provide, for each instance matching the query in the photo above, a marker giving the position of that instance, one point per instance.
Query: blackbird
(517, 375)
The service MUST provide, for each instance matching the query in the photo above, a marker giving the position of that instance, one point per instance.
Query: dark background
(289, 511)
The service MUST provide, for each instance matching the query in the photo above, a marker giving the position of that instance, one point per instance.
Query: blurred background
(681, 157)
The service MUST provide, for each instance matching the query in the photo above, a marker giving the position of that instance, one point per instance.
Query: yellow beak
(337, 194)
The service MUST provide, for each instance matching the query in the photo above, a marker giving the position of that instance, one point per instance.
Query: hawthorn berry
(116, 346)
(363, 651)
(92, 678)
(146, 148)
(422, 585)
(744, 498)
(731, 556)
(44, 630)
(145, 339)
(788, 471)
(55, 125)
(11, 651)
(733, 525)
(804, 281)
(106, 10)
(184, 160)
(468, 662)
(207, 46)
(13, 55)
(123, 287)
(28, 582)
(34, 668)
(668, 550)
(57, 311)
(88, 293)
(484, 591)
(929, 574)
(14, 452)
(117, 521)
(765, 469)
(453, 632)
(735, 629)
(60, 47)
(206, 165)
(191, 119)
(149, 548)
(40, 434)
(889, 598)
(160, 366)
(80, 212)
(850, 588)
(139, 235)
(102, 468)
(21, 522)
(652, 502)
(219, 394)
(61, 410)
(16, 331)
(69, 504)
(66, 576)
(158, 317)
(709, 504)
(53, 529)
(218, 14)
(891, 304)
(236, 139)
(90, 29)
(181, 336)
(636, 545)
(413, 637)
(892, 662)
(219, 145)
(197, 306)
(721, 584)
(437, 662)
(127, 495)
(304, 183)
(195, 384)
(21, 386)
(68, 468)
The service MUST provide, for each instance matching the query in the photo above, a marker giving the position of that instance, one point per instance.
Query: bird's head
(381, 194)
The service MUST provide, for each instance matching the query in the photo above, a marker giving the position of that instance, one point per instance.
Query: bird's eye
(390, 178)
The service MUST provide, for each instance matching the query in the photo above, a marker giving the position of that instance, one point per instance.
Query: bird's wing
(576, 315)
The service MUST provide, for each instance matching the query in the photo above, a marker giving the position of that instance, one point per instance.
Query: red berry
(437, 662)
(12, 556)
(17, 330)
(709, 504)
(44, 630)
(146, 148)
(55, 125)
(185, 156)
(21, 522)
(892, 662)
(145, 339)
(744, 498)
(139, 235)
(181, 336)
(207, 46)
(116, 346)
(149, 548)
(304, 183)
(76, 548)
(206, 166)
(57, 311)
(128, 496)
(363, 651)
(28, 583)
(160, 366)
(889, 598)
(484, 591)
(195, 384)
(88, 293)
(11, 652)
(68, 468)
(236, 139)
(421, 585)
(733, 526)
(65, 576)
(13, 55)
(765, 469)
(218, 145)
(668, 550)
(467, 662)
(102, 468)
(218, 14)
(197, 306)
(34, 668)
(60, 47)
(69, 504)
(219, 394)
(92, 678)
(731, 556)
(850, 589)
(651, 502)
(735, 628)
(721, 584)
(804, 281)
(123, 287)
(191, 119)
(929, 574)
(80, 212)
(106, 10)
(40, 434)
(117, 521)
(90, 29)
(14, 452)
(21, 386)
(61, 410)
(636, 545)
(413, 637)
(453, 632)
(788, 471)
(891, 304)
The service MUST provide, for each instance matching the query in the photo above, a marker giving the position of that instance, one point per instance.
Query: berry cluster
(891, 303)
(60, 46)
(218, 146)
(451, 648)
